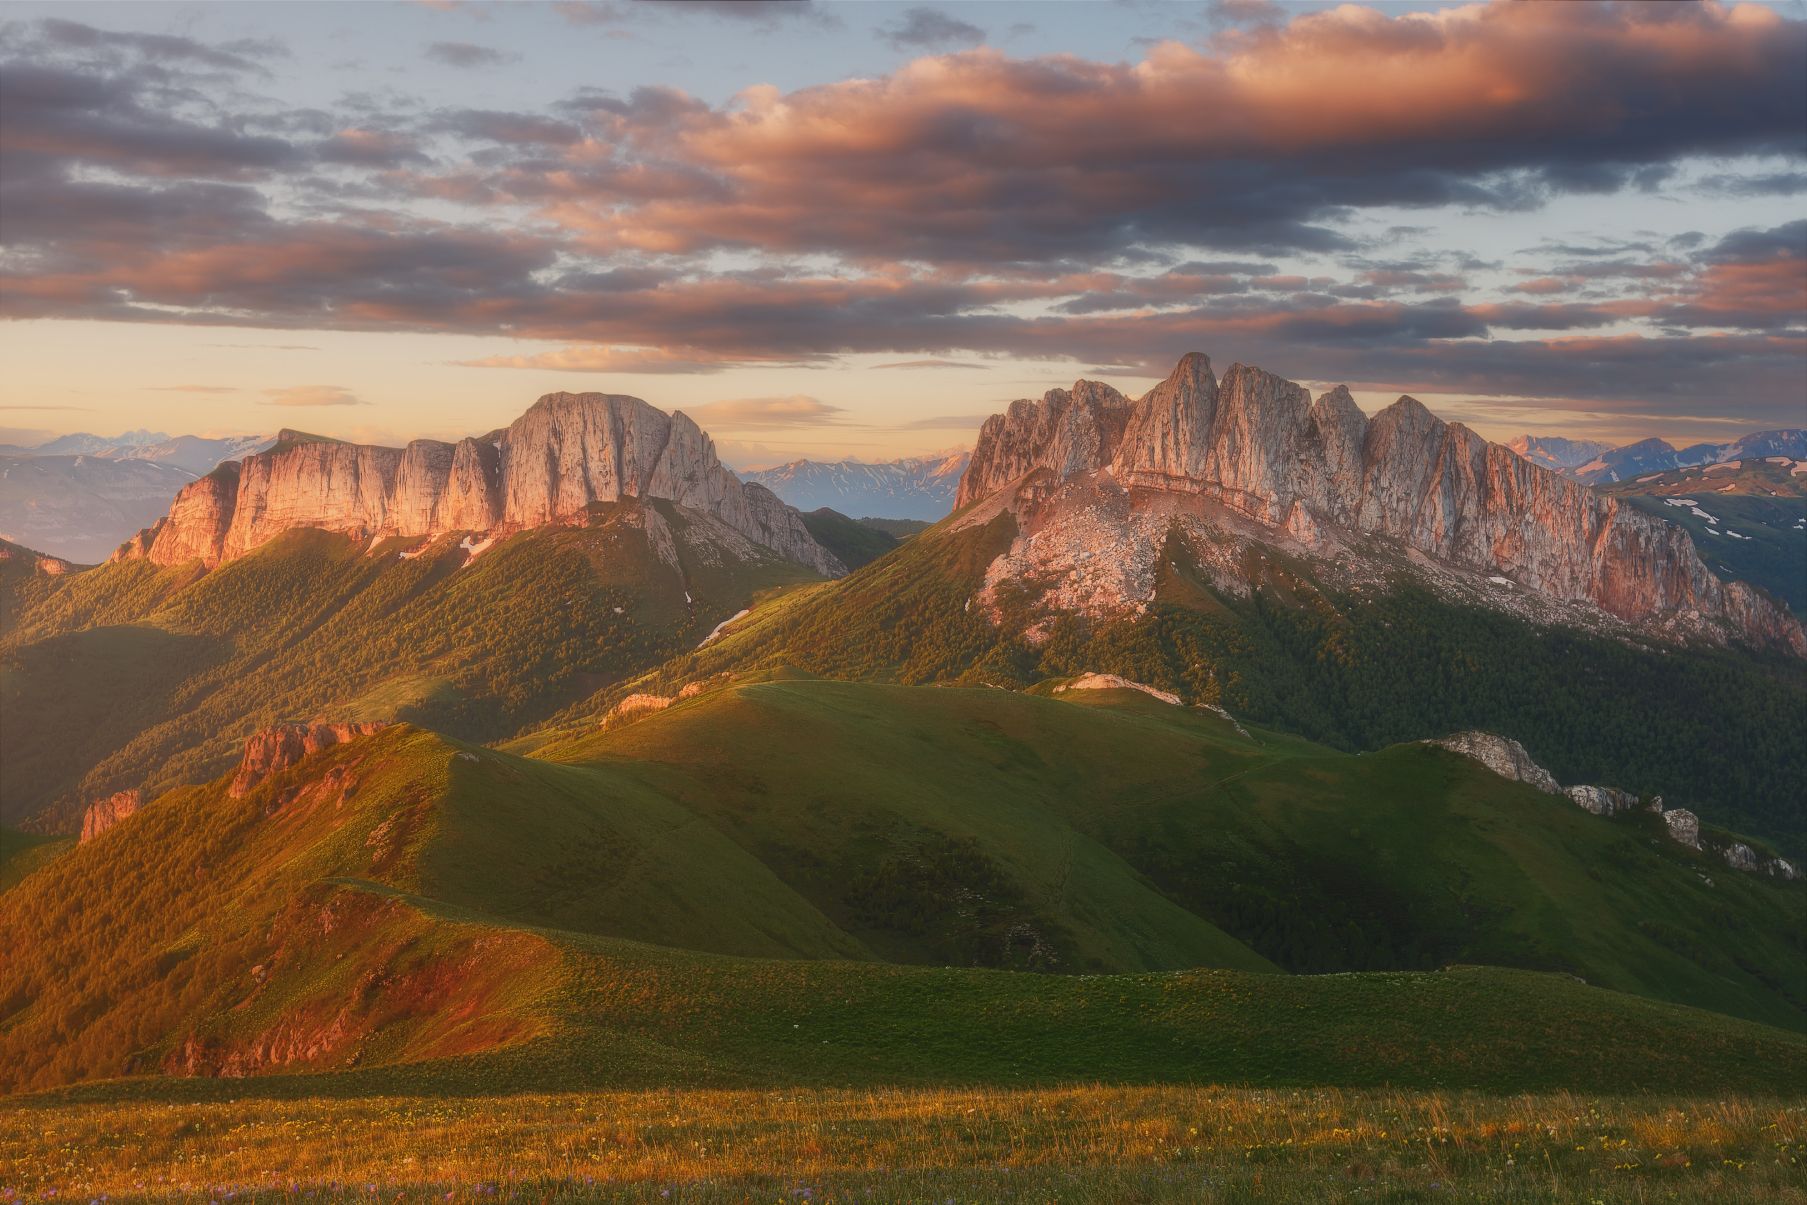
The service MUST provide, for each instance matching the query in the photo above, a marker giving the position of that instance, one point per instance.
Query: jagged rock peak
(568, 451)
(1260, 446)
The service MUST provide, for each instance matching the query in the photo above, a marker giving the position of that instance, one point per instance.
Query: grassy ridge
(1125, 834)
(407, 900)
(1356, 672)
(131, 676)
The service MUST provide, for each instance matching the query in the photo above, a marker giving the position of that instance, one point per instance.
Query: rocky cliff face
(565, 453)
(103, 814)
(1261, 449)
(273, 750)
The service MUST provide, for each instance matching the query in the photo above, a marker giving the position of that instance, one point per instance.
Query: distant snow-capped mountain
(79, 495)
(1604, 465)
(194, 454)
(916, 487)
(1555, 452)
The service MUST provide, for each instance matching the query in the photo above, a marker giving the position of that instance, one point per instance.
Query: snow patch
(1680, 502)
(1648, 477)
(474, 550)
(1703, 514)
(717, 629)
(1497, 580)
(1730, 466)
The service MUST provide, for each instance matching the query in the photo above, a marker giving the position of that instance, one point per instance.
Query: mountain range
(195, 454)
(78, 496)
(562, 756)
(915, 487)
(1104, 492)
(1602, 464)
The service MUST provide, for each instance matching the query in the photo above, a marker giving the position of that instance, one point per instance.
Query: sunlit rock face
(1089, 473)
(565, 454)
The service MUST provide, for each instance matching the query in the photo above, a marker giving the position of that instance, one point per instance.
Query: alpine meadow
(957, 602)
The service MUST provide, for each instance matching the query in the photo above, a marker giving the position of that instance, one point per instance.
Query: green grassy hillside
(1705, 728)
(132, 676)
(1089, 824)
(212, 936)
(405, 899)
(855, 543)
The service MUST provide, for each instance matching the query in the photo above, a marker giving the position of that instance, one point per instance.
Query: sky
(854, 229)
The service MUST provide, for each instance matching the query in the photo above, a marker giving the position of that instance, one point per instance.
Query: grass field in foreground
(1056, 1144)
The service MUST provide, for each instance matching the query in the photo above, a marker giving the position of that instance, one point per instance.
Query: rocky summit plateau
(1101, 486)
(568, 452)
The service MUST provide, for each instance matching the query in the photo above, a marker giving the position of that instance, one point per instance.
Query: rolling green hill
(128, 675)
(1709, 729)
(407, 900)
(854, 542)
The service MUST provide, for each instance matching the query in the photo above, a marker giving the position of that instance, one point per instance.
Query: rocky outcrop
(1508, 759)
(1113, 682)
(564, 455)
(1504, 756)
(1262, 449)
(273, 750)
(103, 814)
(1603, 801)
(1684, 827)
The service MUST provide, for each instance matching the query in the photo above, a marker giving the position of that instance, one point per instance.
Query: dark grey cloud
(764, 15)
(468, 55)
(57, 34)
(924, 28)
(1788, 241)
(488, 125)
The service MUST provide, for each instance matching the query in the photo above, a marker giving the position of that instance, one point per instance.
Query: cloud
(198, 389)
(312, 395)
(945, 422)
(648, 360)
(765, 413)
(971, 157)
(969, 204)
(73, 35)
(929, 29)
(917, 364)
(468, 55)
(765, 15)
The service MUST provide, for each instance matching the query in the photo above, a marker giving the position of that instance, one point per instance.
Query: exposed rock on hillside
(567, 452)
(1097, 482)
(273, 750)
(1113, 682)
(103, 814)
(1504, 756)
(1604, 801)
(1684, 826)
(1508, 759)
